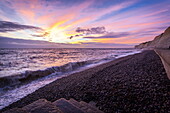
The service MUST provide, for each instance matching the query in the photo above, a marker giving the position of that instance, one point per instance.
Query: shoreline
(114, 86)
(31, 81)
(25, 77)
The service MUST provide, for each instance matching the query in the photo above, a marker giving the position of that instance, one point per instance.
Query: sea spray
(17, 85)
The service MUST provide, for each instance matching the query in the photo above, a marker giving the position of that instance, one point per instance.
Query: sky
(81, 23)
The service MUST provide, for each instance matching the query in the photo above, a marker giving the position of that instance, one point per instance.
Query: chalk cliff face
(160, 41)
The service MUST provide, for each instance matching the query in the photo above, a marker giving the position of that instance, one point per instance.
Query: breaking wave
(28, 76)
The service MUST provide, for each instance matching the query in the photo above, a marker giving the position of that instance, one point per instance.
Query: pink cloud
(50, 14)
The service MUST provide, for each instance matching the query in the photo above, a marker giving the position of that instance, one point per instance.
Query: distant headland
(161, 41)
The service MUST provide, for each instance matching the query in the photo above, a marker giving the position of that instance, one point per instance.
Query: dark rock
(16, 110)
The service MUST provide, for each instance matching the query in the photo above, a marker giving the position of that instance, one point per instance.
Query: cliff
(160, 41)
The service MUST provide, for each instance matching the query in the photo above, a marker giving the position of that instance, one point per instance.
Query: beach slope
(136, 83)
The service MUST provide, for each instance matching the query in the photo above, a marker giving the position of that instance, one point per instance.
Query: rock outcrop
(59, 106)
(160, 41)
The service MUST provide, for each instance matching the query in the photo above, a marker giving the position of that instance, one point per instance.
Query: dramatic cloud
(89, 31)
(6, 42)
(94, 30)
(6, 26)
(42, 35)
(124, 21)
(111, 35)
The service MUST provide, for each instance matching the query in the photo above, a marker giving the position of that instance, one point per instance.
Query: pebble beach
(134, 84)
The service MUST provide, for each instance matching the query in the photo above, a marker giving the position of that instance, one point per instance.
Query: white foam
(14, 95)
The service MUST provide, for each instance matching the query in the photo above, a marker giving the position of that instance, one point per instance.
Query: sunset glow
(126, 22)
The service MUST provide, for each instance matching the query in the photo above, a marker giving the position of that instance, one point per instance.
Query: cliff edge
(161, 41)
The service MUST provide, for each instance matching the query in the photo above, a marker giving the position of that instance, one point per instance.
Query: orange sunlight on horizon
(113, 22)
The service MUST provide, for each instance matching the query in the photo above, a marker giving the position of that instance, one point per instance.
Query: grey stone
(66, 107)
(16, 110)
(42, 106)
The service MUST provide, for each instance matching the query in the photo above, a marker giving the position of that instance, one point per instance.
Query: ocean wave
(69, 53)
(13, 88)
(28, 76)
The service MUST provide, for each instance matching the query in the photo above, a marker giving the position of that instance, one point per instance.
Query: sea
(23, 71)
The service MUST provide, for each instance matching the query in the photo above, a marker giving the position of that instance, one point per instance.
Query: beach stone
(41, 106)
(16, 110)
(66, 107)
(86, 107)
